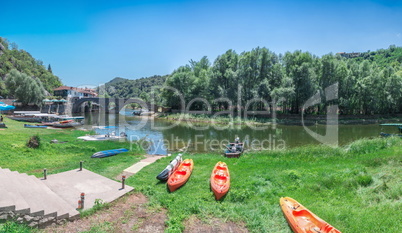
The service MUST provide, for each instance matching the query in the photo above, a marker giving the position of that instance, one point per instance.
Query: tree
(24, 88)
(299, 67)
(49, 68)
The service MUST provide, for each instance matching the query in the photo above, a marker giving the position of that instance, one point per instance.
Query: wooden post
(44, 174)
(123, 181)
(82, 200)
(80, 165)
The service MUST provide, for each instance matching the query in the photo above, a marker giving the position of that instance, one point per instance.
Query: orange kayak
(181, 175)
(302, 220)
(220, 180)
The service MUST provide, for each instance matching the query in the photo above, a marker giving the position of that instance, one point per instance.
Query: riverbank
(356, 188)
(60, 157)
(288, 119)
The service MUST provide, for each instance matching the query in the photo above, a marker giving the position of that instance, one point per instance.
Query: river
(159, 136)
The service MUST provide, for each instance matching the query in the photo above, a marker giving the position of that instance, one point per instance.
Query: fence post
(45, 174)
(82, 200)
(123, 181)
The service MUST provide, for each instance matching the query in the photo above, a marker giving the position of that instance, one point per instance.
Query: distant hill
(117, 80)
(383, 57)
(13, 58)
(132, 88)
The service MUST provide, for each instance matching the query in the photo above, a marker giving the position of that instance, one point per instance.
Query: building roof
(82, 90)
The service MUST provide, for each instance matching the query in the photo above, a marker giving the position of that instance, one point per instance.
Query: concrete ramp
(39, 202)
(69, 186)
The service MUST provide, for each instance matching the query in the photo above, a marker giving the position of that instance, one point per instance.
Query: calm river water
(161, 136)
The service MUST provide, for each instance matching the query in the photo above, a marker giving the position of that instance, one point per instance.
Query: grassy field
(356, 188)
(15, 155)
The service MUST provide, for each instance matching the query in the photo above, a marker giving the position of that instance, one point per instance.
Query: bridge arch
(105, 103)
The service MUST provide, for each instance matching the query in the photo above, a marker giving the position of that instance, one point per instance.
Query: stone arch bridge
(105, 103)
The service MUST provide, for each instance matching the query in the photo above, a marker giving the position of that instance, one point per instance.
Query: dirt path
(128, 214)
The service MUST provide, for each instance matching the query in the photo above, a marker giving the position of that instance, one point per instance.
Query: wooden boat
(107, 153)
(234, 150)
(181, 175)
(168, 171)
(52, 123)
(35, 126)
(66, 125)
(25, 118)
(220, 180)
(302, 220)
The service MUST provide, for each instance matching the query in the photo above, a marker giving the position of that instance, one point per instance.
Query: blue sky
(91, 42)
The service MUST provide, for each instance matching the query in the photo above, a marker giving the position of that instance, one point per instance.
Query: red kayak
(302, 220)
(220, 180)
(181, 175)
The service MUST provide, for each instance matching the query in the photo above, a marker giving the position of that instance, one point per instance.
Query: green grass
(356, 188)
(12, 227)
(15, 155)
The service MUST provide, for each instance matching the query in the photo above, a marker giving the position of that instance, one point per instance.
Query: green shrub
(364, 180)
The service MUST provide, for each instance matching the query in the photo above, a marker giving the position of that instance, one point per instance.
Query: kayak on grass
(220, 180)
(181, 175)
(302, 220)
(107, 153)
(35, 126)
(168, 171)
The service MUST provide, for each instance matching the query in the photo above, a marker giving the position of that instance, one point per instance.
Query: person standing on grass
(1, 118)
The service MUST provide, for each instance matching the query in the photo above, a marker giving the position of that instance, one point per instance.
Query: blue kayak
(35, 126)
(107, 153)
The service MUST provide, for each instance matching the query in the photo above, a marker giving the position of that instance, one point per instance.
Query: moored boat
(220, 180)
(66, 125)
(107, 153)
(302, 220)
(234, 150)
(181, 175)
(168, 171)
(104, 137)
(25, 118)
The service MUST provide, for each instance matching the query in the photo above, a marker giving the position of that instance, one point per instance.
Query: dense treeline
(368, 84)
(13, 58)
(127, 88)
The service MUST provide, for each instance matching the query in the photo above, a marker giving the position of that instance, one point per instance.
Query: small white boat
(104, 137)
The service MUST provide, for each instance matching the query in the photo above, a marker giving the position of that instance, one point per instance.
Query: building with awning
(74, 92)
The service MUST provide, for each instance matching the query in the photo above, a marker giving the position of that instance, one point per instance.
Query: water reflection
(159, 137)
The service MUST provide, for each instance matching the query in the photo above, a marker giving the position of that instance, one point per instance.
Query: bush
(364, 180)
(34, 142)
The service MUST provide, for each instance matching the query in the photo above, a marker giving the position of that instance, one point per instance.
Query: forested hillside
(369, 84)
(127, 88)
(383, 57)
(13, 58)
